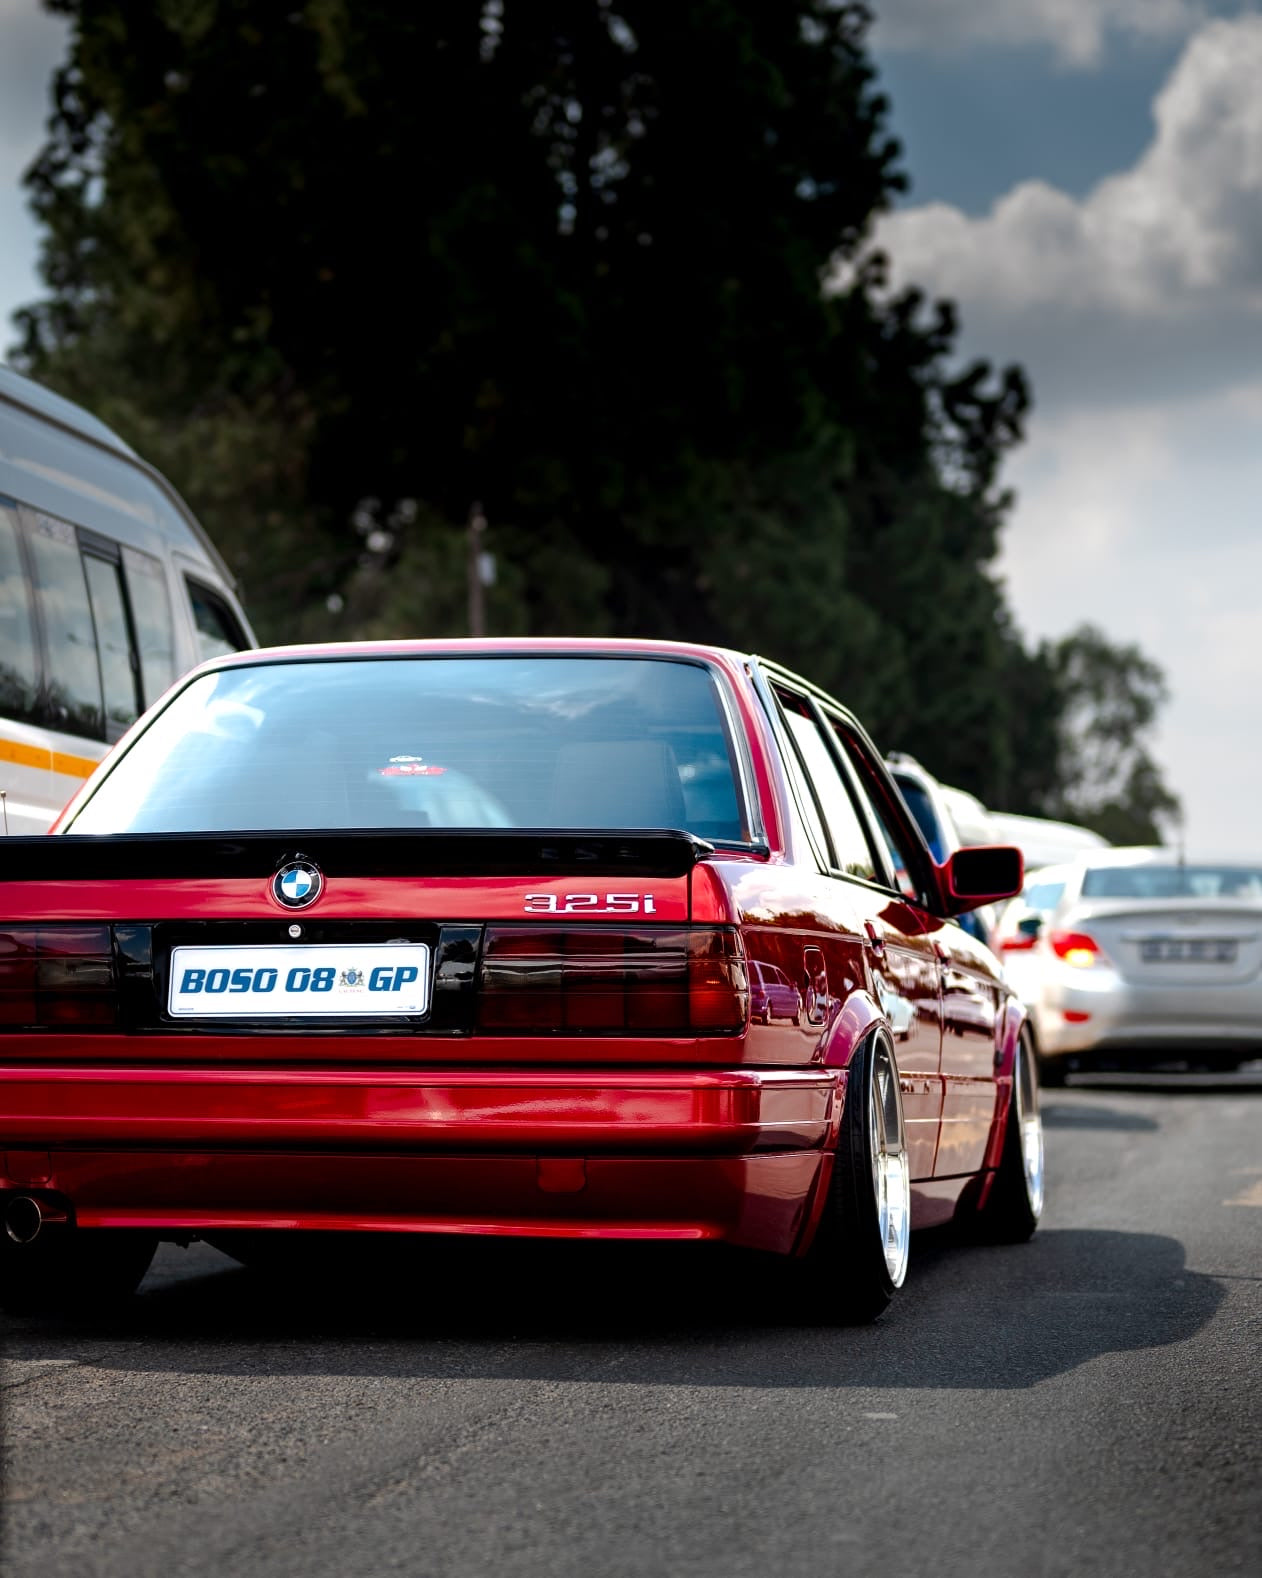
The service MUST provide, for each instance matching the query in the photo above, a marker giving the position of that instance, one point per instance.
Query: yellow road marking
(1250, 1196)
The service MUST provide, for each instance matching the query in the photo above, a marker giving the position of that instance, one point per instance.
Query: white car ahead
(1136, 957)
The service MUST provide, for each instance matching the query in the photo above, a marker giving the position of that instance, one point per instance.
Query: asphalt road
(1088, 1403)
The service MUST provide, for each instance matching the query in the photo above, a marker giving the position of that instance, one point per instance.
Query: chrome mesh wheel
(1029, 1127)
(891, 1177)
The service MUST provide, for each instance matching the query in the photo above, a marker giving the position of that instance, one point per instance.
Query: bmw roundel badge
(297, 884)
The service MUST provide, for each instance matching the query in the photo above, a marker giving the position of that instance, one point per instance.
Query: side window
(851, 851)
(903, 858)
(921, 807)
(73, 676)
(113, 640)
(898, 857)
(19, 664)
(151, 614)
(218, 632)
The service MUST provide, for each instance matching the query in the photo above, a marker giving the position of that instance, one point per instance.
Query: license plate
(1188, 950)
(311, 980)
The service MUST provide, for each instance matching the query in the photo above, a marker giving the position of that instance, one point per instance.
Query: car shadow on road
(971, 1316)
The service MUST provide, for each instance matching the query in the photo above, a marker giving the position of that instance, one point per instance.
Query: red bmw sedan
(458, 937)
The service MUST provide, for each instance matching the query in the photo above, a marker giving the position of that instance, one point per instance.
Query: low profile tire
(859, 1258)
(73, 1270)
(1015, 1202)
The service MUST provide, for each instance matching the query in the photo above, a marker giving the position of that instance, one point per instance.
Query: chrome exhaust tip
(23, 1219)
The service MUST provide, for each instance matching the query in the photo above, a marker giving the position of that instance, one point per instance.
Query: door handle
(875, 941)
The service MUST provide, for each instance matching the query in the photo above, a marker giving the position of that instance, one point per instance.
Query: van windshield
(459, 742)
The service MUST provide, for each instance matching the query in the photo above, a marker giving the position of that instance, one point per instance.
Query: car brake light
(661, 981)
(1018, 943)
(54, 977)
(1076, 948)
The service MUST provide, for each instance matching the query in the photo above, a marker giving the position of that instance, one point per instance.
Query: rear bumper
(537, 1111)
(736, 1155)
(1134, 1017)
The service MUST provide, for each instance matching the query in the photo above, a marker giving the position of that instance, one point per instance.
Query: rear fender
(1007, 1036)
(858, 1018)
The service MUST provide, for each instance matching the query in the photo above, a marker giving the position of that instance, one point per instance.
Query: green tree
(340, 269)
(1110, 698)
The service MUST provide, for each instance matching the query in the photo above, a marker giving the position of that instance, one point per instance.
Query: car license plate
(1188, 950)
(312, 980)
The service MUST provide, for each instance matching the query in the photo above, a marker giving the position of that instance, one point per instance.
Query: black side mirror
(981, 874)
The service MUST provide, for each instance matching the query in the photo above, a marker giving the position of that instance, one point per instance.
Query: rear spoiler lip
(361, 852)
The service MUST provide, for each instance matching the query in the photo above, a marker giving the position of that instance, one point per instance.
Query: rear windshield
(554, 742)
(1173, 882)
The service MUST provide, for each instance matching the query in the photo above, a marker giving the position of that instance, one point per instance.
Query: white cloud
(1076, 29)
(1176, 231)
(1153, 279)
(1137, 310)
(1144, 520)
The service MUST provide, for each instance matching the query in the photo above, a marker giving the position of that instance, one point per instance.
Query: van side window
(218, 632)
(19, 666)
(113, 641)
(72, 681)
(151, 616)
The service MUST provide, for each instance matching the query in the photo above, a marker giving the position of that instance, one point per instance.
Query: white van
(109, 591)
(1045, 843)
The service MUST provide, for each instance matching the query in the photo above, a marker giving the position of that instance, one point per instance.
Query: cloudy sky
(1087, 184)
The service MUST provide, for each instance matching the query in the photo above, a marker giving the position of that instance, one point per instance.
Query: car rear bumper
(1133, 1017)
(736, 1155)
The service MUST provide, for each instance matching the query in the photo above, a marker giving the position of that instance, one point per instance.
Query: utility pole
(477, 571)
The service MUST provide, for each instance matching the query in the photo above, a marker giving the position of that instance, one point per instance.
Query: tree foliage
(1110, 697)
(340, 269)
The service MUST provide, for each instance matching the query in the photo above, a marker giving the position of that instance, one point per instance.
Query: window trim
(835, 721)
(828, 858)
(767, 672)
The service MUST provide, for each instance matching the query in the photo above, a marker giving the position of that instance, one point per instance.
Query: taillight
(1076, 948)
(1017, 943)
(662, 981)
(54, 977)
